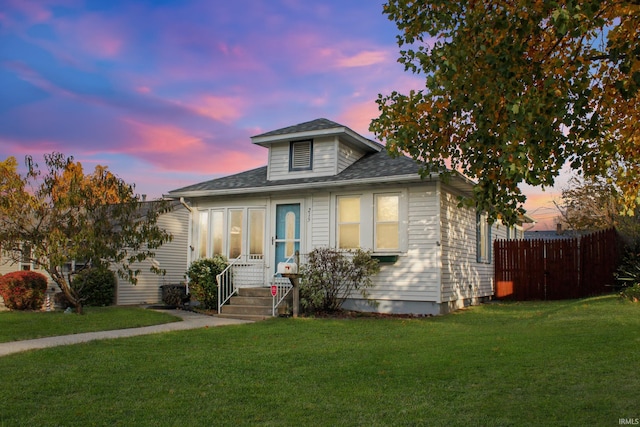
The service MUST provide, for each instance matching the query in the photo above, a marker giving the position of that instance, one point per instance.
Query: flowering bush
(23, 290)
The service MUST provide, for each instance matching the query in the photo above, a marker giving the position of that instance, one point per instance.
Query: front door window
(287, 238)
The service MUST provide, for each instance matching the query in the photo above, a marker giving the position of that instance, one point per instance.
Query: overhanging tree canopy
(516, 89)
(59, 216)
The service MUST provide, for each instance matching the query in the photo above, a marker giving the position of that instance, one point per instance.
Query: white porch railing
(283, 287)
(243, 271)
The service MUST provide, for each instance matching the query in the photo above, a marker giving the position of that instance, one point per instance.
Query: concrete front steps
(249, 304)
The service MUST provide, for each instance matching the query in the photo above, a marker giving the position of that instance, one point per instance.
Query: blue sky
(167, 93)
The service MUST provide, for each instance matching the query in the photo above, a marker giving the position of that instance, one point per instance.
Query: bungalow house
(327, 186)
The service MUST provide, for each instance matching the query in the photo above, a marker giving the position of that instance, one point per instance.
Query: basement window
(300, 155)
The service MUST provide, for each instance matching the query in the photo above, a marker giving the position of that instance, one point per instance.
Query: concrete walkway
(190, 320)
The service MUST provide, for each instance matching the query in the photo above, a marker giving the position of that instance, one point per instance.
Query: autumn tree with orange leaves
(516, 89)
(62, 216)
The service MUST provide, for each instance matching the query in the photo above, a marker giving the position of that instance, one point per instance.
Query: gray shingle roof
(374, 165)
(313, 125)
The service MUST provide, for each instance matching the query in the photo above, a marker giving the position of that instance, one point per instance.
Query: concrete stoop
(249, 304)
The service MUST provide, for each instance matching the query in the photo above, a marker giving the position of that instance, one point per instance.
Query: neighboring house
(171, 257)
(325, 185)
(558, 234)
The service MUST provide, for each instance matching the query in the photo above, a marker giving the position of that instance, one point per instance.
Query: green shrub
(628, 273)
(95, 286)
(631, 293)
(174, 295)
(23, 290)
(202, 280)
(329, 276)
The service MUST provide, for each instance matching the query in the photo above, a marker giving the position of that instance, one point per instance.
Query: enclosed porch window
(230, 232)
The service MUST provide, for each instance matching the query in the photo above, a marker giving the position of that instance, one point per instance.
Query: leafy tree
(514, 90)
(595, 204)
(61, 217)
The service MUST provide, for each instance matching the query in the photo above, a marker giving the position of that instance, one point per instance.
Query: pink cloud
(161, 139)
(96, 35)
(35, 11)
(226, 109)
(362, 59)
(28, 74)
(172, 148)
(358, 116)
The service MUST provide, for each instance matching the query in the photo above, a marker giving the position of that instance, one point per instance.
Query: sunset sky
(167, 93)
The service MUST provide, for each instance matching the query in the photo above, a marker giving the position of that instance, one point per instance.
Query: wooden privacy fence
(555, 269)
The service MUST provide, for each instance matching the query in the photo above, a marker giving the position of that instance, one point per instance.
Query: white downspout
(189, 238)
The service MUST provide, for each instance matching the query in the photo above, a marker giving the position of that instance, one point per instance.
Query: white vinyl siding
(415, 276)
(463, 277)
(319, 218)
(172, 257)
(324, 160)
(347, 155)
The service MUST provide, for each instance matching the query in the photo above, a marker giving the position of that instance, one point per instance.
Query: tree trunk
(68, 292)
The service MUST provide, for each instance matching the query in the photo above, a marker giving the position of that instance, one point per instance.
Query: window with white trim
(217, 233)
(301, 155)
(483, 238)
(235, 232)
(203, 233)
(348, 222)
(387, 222)
(229, 232)
(256, 233)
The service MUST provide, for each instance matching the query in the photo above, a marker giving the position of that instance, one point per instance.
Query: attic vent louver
(301, 155)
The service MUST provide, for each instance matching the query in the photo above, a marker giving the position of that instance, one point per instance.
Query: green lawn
(558, 363)
(19, 325)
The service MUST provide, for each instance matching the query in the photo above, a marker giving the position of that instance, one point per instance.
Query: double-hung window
(387, 222)
(348, 222)
(370, 221)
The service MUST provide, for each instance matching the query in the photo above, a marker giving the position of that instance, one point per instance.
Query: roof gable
(315, 128)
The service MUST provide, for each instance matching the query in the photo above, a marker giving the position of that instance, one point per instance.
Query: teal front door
(287, 239)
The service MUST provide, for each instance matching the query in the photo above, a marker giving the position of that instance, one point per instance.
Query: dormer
(312, 149)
